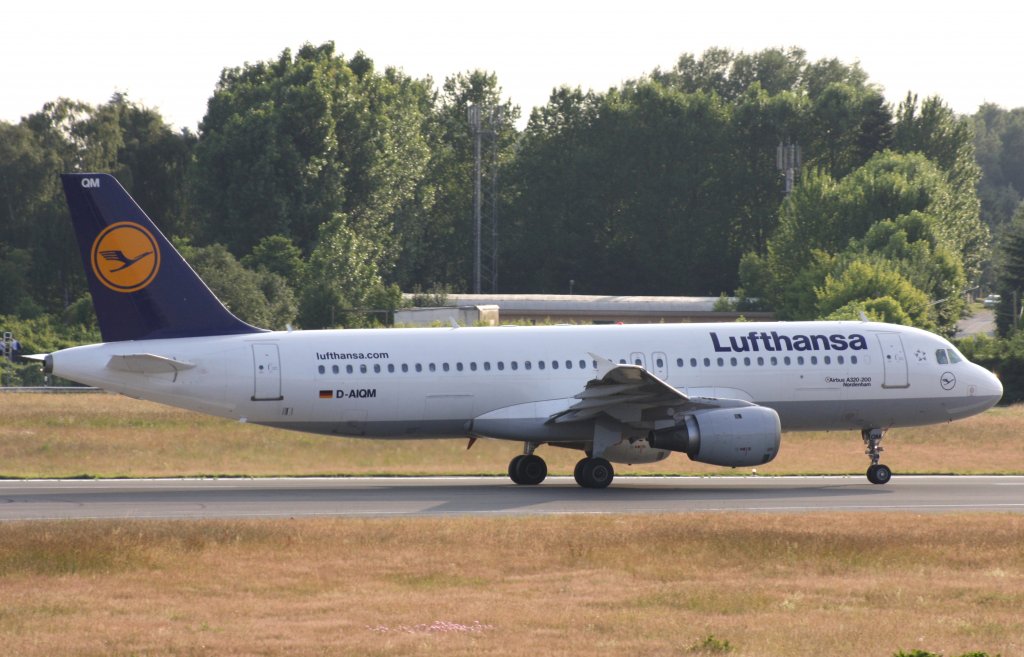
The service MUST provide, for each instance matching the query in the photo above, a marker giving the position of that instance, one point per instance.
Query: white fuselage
(417, 383)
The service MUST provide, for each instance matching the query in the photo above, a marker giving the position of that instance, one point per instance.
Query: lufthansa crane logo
(125, 257)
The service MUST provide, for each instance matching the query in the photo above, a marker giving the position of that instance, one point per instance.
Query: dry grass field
(695, 584)
(102, 435)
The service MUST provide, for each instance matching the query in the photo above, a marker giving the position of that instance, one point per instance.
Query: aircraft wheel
(577, 472)
(531, 470)
(513, 468)
(879, 474)
(594, 473)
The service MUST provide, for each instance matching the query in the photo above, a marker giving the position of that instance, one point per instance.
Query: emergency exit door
(266, 361)
(894, 361)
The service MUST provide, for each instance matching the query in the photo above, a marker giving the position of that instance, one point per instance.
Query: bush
(1004, 356)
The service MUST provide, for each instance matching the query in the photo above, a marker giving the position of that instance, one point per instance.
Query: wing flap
(630, 394)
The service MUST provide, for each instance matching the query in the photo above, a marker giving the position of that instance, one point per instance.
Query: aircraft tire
(879, 474)
(595, 473)
(531, 470)
(576, 473)
(513, 468)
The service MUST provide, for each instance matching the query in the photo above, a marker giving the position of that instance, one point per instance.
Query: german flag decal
(326, 394)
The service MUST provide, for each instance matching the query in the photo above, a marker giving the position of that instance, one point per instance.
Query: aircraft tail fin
(142, 288)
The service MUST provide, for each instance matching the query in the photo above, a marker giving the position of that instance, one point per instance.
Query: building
(579, 309)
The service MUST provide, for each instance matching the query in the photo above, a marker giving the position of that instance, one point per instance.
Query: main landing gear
(528, 469)
(877, 473)
(594, 473)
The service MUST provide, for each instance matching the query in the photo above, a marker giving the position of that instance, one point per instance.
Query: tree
(934, 130)
(1010, 271)
(260, 298)
(878, 287)
(287, 144)
(341, 277)
(999, 147)
(883, 216)
(440, 221)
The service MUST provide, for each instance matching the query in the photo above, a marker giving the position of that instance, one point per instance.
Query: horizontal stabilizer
(148, 364)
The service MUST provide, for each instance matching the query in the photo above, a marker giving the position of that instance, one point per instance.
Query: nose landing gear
(877, 473)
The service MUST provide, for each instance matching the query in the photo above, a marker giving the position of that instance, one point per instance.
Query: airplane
(720, 393)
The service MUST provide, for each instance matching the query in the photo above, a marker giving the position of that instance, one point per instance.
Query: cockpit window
(948, 356)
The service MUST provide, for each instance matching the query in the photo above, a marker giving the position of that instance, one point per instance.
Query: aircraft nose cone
(994, 386)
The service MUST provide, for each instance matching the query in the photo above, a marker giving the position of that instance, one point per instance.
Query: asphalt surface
(493, 496)
(981, 322)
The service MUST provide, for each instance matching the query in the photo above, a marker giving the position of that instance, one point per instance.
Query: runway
(494, 496)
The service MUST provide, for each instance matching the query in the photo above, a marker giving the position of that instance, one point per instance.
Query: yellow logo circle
(125, 257)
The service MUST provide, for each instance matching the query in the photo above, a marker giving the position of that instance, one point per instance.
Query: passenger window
(799, 360)
(760, 361)
(775, 361)
(458, 366)
(786, 360)
(554, 364)
(501, 365)
(828, 360)
(839, 359)
(334, 369)
(528, 365)
(321, 369)
(622, 361)
(593, 364)
(405, 367)
(679, 362)
(362, 368)
(487, 366)
(583, 364)
(472, 366)
(659, 363)
(540, 364)
(707, 362)
(349, 369)
(721, 363)
(432, 367)
(419, 368)
(814, 360)
(853, 360)
(391, 368)
(732, 361)
(445, 367)
(568, 364)
(746, 361)
(376, 368)
(693, 362)
(515, 365)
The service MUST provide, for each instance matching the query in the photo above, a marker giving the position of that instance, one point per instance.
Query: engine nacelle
(731, 437)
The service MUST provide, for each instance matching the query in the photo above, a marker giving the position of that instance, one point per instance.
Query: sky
(169, 55)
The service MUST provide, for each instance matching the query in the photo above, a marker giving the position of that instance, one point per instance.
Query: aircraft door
(659, 362)
(894, 361)
(266, 362)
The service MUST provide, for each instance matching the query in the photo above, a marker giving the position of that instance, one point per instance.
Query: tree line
(319, 186)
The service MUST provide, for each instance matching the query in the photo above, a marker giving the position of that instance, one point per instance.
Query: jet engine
(731, 437)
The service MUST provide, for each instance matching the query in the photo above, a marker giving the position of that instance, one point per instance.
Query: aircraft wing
(631, 394)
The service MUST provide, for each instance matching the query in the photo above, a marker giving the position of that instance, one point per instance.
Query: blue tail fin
(141, 287)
